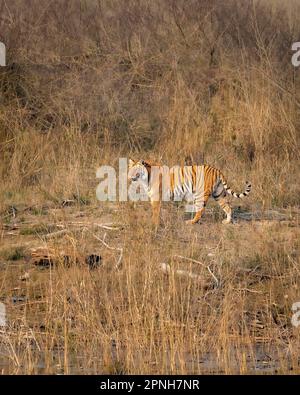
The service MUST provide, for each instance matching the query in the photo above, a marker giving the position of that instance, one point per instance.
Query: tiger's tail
(234, 194)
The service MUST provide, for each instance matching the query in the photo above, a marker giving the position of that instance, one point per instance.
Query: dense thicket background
(88, 81)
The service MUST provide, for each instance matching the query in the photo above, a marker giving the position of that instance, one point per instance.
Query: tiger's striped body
(194, 183)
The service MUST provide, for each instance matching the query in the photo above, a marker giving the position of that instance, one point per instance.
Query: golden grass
(137, 319)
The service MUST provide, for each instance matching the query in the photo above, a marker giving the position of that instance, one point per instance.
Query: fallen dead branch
(247, 290)
(55, 234)
(47, 257)
(107, 226)
(167, 269)
(199, 263)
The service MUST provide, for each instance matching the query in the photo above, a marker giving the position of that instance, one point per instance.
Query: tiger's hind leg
(223, 202)
(220, 196)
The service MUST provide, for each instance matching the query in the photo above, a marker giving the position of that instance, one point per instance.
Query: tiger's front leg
(155, 212)
(196, 218)
(200, 203)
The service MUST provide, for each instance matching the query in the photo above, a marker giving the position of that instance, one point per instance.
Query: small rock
(45, 262)
(18, 299)
(68, 202)
(93, 261)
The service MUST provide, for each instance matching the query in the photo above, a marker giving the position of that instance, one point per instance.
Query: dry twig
(111, 248)
(200, 263)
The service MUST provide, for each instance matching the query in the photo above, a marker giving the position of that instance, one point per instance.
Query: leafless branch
(200, 263)
(111, 248)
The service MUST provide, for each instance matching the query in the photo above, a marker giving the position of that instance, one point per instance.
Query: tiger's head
(138, 170)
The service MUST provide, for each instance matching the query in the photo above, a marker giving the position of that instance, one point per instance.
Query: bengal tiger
(195, 182)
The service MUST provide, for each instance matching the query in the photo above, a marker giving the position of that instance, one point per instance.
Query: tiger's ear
(131, 162)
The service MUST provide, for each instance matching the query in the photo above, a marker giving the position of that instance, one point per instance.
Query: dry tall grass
(89, 81)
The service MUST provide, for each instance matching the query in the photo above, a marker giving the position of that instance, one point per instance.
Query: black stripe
(216, 197)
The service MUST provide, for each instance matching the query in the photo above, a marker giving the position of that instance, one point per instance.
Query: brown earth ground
(224, 306)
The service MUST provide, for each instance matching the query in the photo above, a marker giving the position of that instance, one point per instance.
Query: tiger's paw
(191, 222)
(227, 221)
